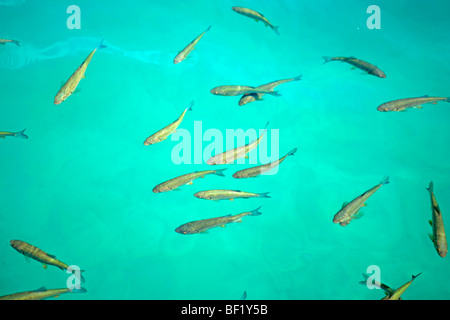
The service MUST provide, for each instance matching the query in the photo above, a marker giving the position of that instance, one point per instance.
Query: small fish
(403, 104)
(221, 194)
(388, 290)
(349, 211)
(398, 292)
(437, 223)
(250, 97)
(191, 46)
(5, 41)
(360, 64)
(255, 15)
(20, 134)
(239, 90)
(185, 179)
(71, 84)
(205, 224)
(231, 155)
(256, 171)
(165, 132)
(40, 294)
(37, 254)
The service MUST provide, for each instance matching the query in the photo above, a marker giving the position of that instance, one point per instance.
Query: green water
(80, 187)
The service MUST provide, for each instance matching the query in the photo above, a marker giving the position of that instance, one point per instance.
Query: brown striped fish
(187, 50)
(360, 64)
(437, 223)
(256, 171)
(256, 16)
(403, 104)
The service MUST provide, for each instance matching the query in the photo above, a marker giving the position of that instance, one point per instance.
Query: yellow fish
(187, 50)
(5, 41)
(40, 294)
(69, 87)
(165, 132)
(255, 15)
(20, 134)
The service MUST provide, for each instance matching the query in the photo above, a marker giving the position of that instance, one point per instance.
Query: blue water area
(80, 187)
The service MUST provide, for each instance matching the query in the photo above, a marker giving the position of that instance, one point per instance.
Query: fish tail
(413, 277)
(208, 28)
(448, 99)
(16, 42)
(219, 172)
(189, 107)
(275, 28)
(299, 77)
(365, 279)
(20, 134)
(264, 195)
(275, 93)
(430, 187)
(78, 290)
(255, 212)
(385, 180)
(292, 152)
(327, 59)
(101, 45)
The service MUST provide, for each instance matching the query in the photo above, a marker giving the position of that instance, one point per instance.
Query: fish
(258, 170)
(185, 179)
(360, 64)
(165, 132)
(71, 84)
(5, 41)
(201, 226)
(37, 254)
(20, 134)
(437, 223)
(250, 97)
(221, 194)
(237, 90)
(231, 155)
(388, 290)
(349, 211)
(256, 16)
(187, 50)
(398, 292)
(403, 104)
(41, 293)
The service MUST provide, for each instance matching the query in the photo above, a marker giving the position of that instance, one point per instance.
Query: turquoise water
(80, 187)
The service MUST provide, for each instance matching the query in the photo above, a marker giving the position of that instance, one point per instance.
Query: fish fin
(190, 183)
(292, 152)
(79, 290)
(16, 42)
(275, 93)
(430, 186)
(275, 28)
(352, 68)
(27, 259)
(431, 237)
(385, 180)
(430, 222)
(189, 107)
(56, 296)
(425, 96)
(76, 91)
(244, 295)
(415, 276)
(101, 45)
(264, 195)
(344, 204)
(204, 232)
(448, 99)
(299, 77)
(219, 172)
(231, 199)
(222, 226)
(246, 156)
(40, 289)
(21, 134)
(3, 137)
(44, 266)
(358, 215)
(364, 205)
(420, 107)
(255, 212)
(327, 59)
(208, 28)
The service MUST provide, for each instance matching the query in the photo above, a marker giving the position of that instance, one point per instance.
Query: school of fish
(347, 213)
